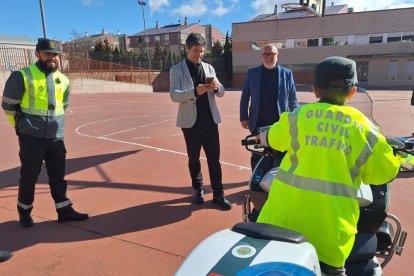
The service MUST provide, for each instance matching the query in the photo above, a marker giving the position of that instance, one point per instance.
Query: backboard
(315, 6)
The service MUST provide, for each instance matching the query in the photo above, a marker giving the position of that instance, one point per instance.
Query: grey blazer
(182, 92)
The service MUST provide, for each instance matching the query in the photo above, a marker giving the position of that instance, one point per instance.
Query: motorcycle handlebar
(246, 142)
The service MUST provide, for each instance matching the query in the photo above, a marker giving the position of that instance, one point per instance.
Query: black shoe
(222, 201)
(70, 214)
(5, 255)
(199, 196)
(26, 220)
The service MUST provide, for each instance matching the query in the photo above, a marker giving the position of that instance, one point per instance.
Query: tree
(107, 46)
(217, 49)
(158, 55)
(99, 46)
(228, 58)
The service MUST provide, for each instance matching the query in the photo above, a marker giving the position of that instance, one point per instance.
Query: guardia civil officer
(35, 99)
(330, 148)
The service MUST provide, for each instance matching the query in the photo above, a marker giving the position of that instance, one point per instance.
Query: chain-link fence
(103, 65)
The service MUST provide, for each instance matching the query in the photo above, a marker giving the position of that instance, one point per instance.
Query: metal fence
(99, 65)
(16, 58)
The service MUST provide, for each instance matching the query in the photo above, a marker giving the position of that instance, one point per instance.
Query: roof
(177, 28)
(18, 40)
(300, 14)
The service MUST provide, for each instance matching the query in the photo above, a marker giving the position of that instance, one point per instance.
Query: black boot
(5, 255)
(68, 214)
(222, 201)
(199, 196)
(25, 220)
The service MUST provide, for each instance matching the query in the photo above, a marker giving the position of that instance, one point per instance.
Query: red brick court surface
(127, 168)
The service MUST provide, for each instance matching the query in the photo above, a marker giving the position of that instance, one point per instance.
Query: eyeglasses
(269, 54)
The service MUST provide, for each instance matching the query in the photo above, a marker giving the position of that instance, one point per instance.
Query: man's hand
(244, 124)
(202, 88)
(215, 84)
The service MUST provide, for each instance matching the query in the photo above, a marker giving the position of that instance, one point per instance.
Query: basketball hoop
(293, 7)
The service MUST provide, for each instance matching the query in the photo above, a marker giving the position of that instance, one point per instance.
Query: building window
(328, 41)
(166, 39)
(341, 40)
(157, 38)
(392, 70)
(408, 38)
(280, 44)
(313, 42)
(259, 44)
(375, 39)
(300, 43)
(410, 70)
(394, 39)
(254, 46)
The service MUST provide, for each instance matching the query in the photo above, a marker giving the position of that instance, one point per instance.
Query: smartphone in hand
(209, 79)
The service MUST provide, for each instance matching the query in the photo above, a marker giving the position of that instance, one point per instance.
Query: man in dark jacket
(268, 91)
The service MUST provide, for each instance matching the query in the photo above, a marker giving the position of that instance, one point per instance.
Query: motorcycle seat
(268, 232)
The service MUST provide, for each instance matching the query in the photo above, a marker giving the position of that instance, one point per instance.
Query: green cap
(335, 68)
(48, 46)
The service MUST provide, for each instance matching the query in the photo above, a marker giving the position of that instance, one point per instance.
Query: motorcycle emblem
(243, 251)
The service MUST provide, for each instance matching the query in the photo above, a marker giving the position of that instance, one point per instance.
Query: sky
(69, 19)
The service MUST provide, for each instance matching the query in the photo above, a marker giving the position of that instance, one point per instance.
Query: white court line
(117, 132)
(77, 131)
(122, 102)
(153, 124)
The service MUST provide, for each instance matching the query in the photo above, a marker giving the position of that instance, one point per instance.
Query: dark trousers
(277, 159)
(33, 151)
(328, 270)
(208, 138)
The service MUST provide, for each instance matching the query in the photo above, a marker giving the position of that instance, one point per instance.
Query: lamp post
(43, 19)
(142, 4)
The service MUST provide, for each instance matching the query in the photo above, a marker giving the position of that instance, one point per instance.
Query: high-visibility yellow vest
(330, 149)
(35, 99)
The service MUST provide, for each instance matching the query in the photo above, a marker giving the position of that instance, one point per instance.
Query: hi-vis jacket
(35, 102)
(330, 150)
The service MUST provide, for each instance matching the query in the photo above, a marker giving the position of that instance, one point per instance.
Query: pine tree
(228, 59)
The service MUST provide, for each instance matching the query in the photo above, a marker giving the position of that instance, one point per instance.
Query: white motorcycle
(251, 248)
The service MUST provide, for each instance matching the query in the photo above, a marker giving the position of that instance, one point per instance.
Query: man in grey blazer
(193, 84)
(269, 90)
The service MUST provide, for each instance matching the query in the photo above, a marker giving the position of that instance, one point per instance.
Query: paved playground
(127, 168)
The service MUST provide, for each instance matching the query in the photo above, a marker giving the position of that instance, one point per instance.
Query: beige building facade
(381, 42)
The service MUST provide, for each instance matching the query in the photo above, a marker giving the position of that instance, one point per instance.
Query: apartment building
(172, 37)
(381, 42)
(87, 43)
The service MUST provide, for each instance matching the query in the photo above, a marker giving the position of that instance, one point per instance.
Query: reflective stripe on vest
(363, 157)
(43, 96)
(317, 185)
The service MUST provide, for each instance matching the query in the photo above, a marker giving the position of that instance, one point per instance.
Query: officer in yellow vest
(35, 99)
(330, 148)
